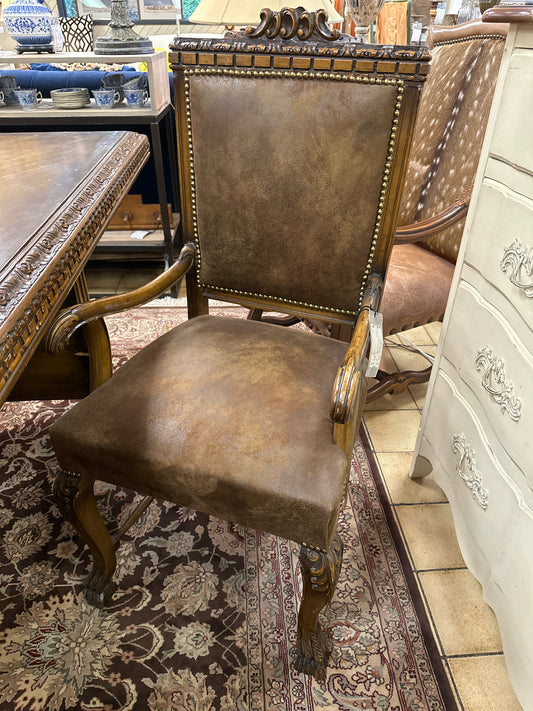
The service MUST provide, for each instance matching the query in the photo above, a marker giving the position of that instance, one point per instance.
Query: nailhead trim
(458, 40)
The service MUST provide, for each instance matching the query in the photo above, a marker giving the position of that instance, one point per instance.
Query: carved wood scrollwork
(466, 468)
(518, 259)
(66, 486)
(496, 384)
(320, 572)
(291, 23)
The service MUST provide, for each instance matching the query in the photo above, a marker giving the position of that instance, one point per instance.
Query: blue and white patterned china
(136, 98)
(10, 97)
(106, 98)
(33, 26)
(28, 98)
(138, 82)
(1, 95)
(114, 81)
(8, 84)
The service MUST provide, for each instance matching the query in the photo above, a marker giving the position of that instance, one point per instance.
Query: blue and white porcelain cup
(8, 85)
(28, 98)
(10, 96)
(135, 98)
(106, 98)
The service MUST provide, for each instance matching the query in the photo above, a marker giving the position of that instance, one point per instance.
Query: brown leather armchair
(449, 133)
(292, 158)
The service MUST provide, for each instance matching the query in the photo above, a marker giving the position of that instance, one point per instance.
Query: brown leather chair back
(451, 123)
(292, 162)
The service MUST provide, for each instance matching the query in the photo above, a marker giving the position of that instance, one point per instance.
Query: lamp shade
(248, 12)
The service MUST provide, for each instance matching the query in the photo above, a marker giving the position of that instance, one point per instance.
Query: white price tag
(375, 322)
(139, 234)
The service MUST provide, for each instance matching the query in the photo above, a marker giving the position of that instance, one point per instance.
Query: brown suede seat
(164, 408)
(409, 302)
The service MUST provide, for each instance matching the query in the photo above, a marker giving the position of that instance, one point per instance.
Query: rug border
(441, 676)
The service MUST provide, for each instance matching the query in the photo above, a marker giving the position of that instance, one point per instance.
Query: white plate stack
(70, 98)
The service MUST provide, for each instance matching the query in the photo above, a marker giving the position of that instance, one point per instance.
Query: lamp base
(112, 45)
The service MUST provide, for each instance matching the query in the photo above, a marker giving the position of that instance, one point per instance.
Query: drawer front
(500, 244)
(512, 138)
(493, 522)
(497, 367)
(482, 495)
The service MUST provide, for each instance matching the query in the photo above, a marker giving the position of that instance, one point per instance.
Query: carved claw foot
(312, 653)
(320, 573)
(75, 498)
(98, 592)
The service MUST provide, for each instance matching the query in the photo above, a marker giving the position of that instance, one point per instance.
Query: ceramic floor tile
(483, 683)
(417, 335)
(392, 430)
(402, 401)
(465, 624)
(430, 534)
(419, 391)
(434, 330)
(395, 467)
(406, 359)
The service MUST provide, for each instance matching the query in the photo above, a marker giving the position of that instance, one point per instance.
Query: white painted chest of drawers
(476, 431)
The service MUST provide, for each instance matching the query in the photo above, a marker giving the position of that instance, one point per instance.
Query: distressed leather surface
(226, 416)
(417, 288)
(298, 171)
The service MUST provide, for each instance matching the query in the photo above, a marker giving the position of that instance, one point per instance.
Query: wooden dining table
(57, 194)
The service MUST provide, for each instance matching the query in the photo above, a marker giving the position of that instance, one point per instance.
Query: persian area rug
(205, 613)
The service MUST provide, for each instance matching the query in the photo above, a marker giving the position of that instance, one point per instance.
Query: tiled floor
(464, 626)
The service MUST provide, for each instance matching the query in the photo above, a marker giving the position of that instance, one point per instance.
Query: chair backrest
(292, 156)
(451, 123)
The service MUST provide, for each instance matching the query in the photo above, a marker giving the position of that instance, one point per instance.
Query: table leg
(162, 192)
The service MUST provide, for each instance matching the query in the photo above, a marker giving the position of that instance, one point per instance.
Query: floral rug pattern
(204, 617)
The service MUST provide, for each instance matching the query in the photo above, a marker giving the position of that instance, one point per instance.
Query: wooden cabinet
(476, 431)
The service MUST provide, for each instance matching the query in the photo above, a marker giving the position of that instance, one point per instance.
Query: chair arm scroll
(349, 388)
(436, 223)
(72, 318)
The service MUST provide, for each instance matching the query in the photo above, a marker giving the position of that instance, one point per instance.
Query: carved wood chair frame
(297, 45)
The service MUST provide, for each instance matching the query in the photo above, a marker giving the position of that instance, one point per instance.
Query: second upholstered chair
(447, 142)
(449, 133)
(293, 148)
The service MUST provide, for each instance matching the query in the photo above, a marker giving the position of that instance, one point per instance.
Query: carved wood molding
(289, 23)
(495, 382)
(62, 248)
(466, 468)
(517, 260)
(240, 51)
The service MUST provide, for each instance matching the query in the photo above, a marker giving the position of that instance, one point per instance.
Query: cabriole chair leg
(320, 572)
(75, 498)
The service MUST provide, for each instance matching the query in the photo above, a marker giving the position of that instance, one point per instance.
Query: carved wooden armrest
(350, 376)
(70, 319)
(434, 224)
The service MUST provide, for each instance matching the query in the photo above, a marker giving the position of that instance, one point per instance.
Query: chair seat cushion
(416, 290)
(225, 416)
